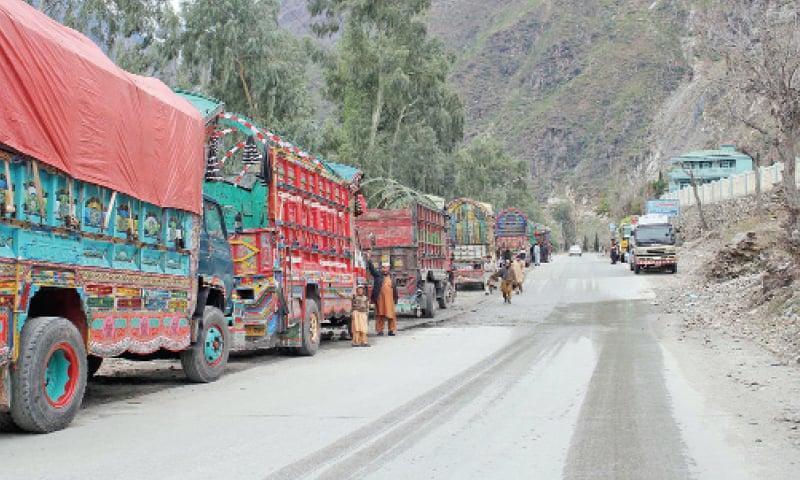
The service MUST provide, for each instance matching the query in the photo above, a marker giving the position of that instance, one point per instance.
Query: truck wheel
(205, 360)
(311, 328)
(93, 364)
(674, 269)
(448, 296)
(50, 376)
(636, 269)
(430, 300)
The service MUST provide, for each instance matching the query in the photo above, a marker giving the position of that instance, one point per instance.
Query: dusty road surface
(580, 378)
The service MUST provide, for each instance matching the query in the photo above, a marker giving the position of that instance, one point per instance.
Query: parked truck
(412, 240)
(541, 236)
(653, 245)
(107, 245)
(472, 241)
(295, 257)
(511, 234)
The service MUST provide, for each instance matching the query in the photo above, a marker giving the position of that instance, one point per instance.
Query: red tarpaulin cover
(65, 103)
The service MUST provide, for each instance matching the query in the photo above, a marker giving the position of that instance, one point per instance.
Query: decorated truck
(472, 241)
(511, 234)
(295, 257)
(107, 245)
(412, 240)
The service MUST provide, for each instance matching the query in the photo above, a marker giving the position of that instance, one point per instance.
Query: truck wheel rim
(61, 375)
(214, 346)
(313, 328)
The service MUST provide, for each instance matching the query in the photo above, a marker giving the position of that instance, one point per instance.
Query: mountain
(571, 86)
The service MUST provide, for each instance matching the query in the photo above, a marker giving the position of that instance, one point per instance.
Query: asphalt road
(575, 379)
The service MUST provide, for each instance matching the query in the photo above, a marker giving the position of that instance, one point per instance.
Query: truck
(471, 235)
(107, 245)
(653, 245)
(511, 234)
(296, 261)
(412, 240)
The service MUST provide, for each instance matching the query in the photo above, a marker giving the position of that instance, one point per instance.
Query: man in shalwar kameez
(384, 296)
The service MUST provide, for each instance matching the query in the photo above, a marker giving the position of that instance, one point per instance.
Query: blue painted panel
(97, 253)
(177, 264)
(125, 257)
(45, 246)
(8, 241)
(152, 260)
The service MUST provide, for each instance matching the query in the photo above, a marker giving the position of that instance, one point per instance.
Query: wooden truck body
(472, 242)
(107, 246)
(413, 242)
(295, 257)
(511, 234)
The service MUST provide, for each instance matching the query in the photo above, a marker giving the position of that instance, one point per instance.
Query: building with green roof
(707, 166)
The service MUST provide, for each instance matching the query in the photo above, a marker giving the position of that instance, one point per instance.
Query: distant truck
(541, 236)
(625, 233)
(413, 241)
(653, 245)
(107, 245)
(296, 261)
(472, 241)
(511, 234)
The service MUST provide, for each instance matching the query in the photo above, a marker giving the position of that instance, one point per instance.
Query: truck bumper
(656, 262)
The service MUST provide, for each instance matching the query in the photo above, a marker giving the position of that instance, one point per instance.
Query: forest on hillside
(388, 106)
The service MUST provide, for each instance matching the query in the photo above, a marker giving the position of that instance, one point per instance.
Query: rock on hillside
(570, 85)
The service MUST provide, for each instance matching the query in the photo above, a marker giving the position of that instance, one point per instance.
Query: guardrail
(735, 186)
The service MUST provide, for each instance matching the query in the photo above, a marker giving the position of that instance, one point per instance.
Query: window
(213, 220)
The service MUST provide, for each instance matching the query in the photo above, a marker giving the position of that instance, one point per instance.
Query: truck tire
(429, 300)
(674, 269)
(636, 269)
(93, 364)
(49, 380)
(7, 424)
(311, 329)
(205, 360)
(448, 296)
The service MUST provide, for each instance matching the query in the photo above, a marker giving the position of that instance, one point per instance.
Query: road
(577, 378)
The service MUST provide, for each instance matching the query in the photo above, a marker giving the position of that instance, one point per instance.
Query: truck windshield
(654, 234)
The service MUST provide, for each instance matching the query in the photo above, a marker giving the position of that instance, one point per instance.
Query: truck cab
(654, 245)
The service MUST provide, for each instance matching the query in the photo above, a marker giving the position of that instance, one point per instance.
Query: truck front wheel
(448, 296)
(205, 360)
(636, 269)
(49, 378)
(430, 302)
(311, 330)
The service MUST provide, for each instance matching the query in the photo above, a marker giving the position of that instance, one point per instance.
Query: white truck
(653, 245)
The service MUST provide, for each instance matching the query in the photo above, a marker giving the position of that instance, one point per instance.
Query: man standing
(506, 280)
(384, 296)
(518, 273)
(537, 254)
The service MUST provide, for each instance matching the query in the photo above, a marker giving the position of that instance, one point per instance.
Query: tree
(397, 115)
(585, 243)
(759, 41)
(136, 34)
(564, 216)
(689, 171)
(486, 172)
(234, 50)
(596, 242)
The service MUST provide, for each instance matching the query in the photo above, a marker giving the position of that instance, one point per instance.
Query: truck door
(216, 263)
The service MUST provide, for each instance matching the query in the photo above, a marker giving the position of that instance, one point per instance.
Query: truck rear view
(511, 234)
(413, 242)
(472, 240)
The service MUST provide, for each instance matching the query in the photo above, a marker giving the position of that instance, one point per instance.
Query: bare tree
(693, 183)
(759, 41)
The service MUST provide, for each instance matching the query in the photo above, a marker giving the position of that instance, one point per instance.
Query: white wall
(736, 186)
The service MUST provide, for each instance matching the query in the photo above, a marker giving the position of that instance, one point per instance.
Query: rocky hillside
(572, 86)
